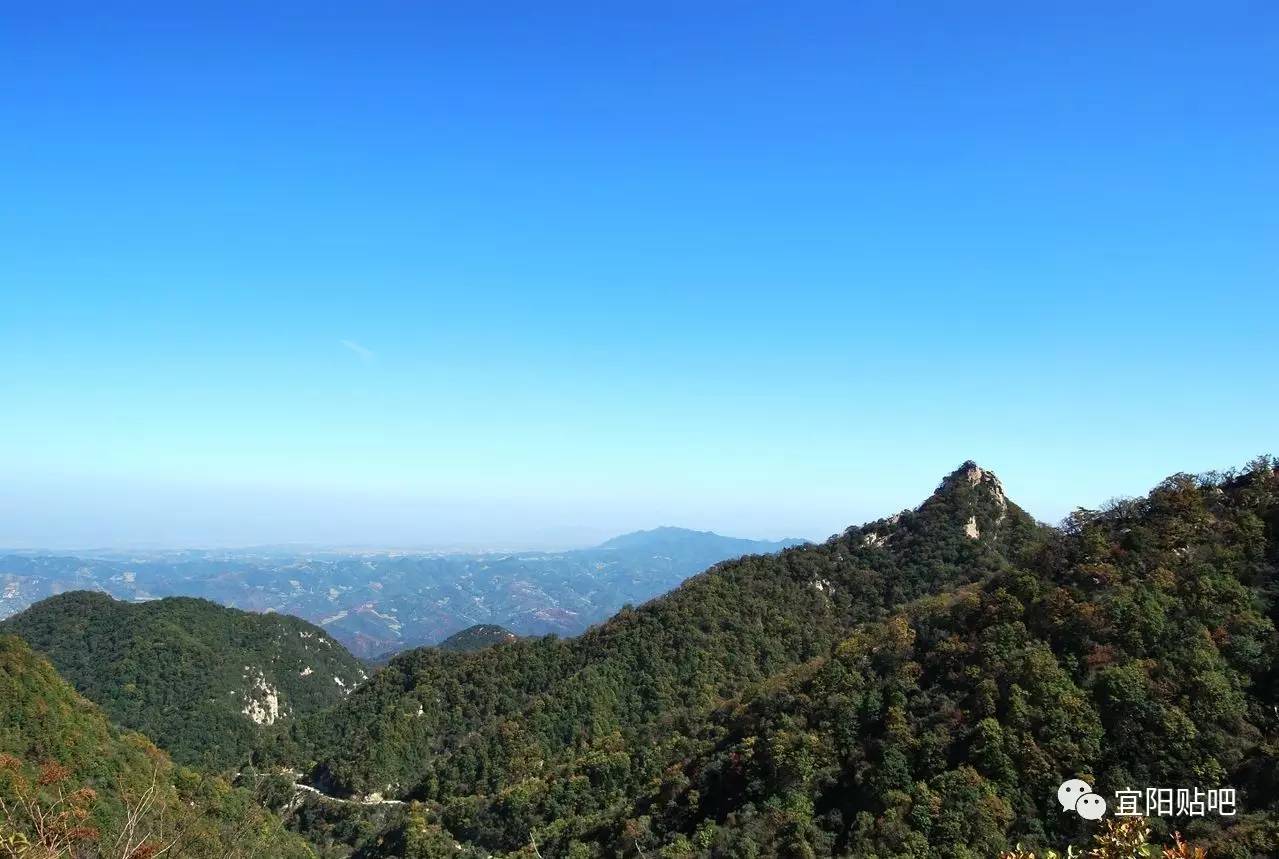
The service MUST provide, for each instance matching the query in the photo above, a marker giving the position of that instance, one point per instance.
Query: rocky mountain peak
(973, 474)
(970, 499)
(969, 477)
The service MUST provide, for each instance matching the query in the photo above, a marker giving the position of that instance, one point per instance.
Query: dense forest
(73, 785)
(200, 680)
(914, 687)
(477, 637)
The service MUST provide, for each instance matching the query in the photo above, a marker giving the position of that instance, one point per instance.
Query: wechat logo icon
(1076, 795)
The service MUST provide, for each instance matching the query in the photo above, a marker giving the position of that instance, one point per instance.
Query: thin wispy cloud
(364, 354)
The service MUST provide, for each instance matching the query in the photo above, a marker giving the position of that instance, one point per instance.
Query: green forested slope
(477, 637)
(1137, 648)
(913, 688)
(513, 707)
(439, 726)
(54, 743)
(199, 679)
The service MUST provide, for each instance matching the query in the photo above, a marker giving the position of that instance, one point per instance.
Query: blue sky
(507, 274)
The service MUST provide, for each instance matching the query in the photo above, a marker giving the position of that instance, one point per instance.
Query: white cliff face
(970, 528)
(262, 702)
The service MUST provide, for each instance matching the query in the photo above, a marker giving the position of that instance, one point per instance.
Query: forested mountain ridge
(1138, 646)
(438, 725)
(121, 797)
(201, 680)
(914, 687)
(477, 637)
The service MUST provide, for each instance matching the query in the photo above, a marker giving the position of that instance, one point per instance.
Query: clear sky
(536, 273)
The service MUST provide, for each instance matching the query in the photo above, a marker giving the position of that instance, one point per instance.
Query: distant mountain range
(377, 603)
(916, 686)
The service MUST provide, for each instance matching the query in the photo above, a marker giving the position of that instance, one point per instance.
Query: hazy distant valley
(959, 650)
(379, 602)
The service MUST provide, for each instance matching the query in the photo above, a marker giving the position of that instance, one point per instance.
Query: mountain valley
(376, 603)
(913, 687)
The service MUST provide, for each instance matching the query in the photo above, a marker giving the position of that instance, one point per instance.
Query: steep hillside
(55, 743)
(436, 725)
(477, 637)
(915, 687)
(1137, 648)
(199, 679)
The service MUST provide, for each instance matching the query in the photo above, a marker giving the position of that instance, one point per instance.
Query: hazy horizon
(284, 523)
(425, 275)
(360, 549)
